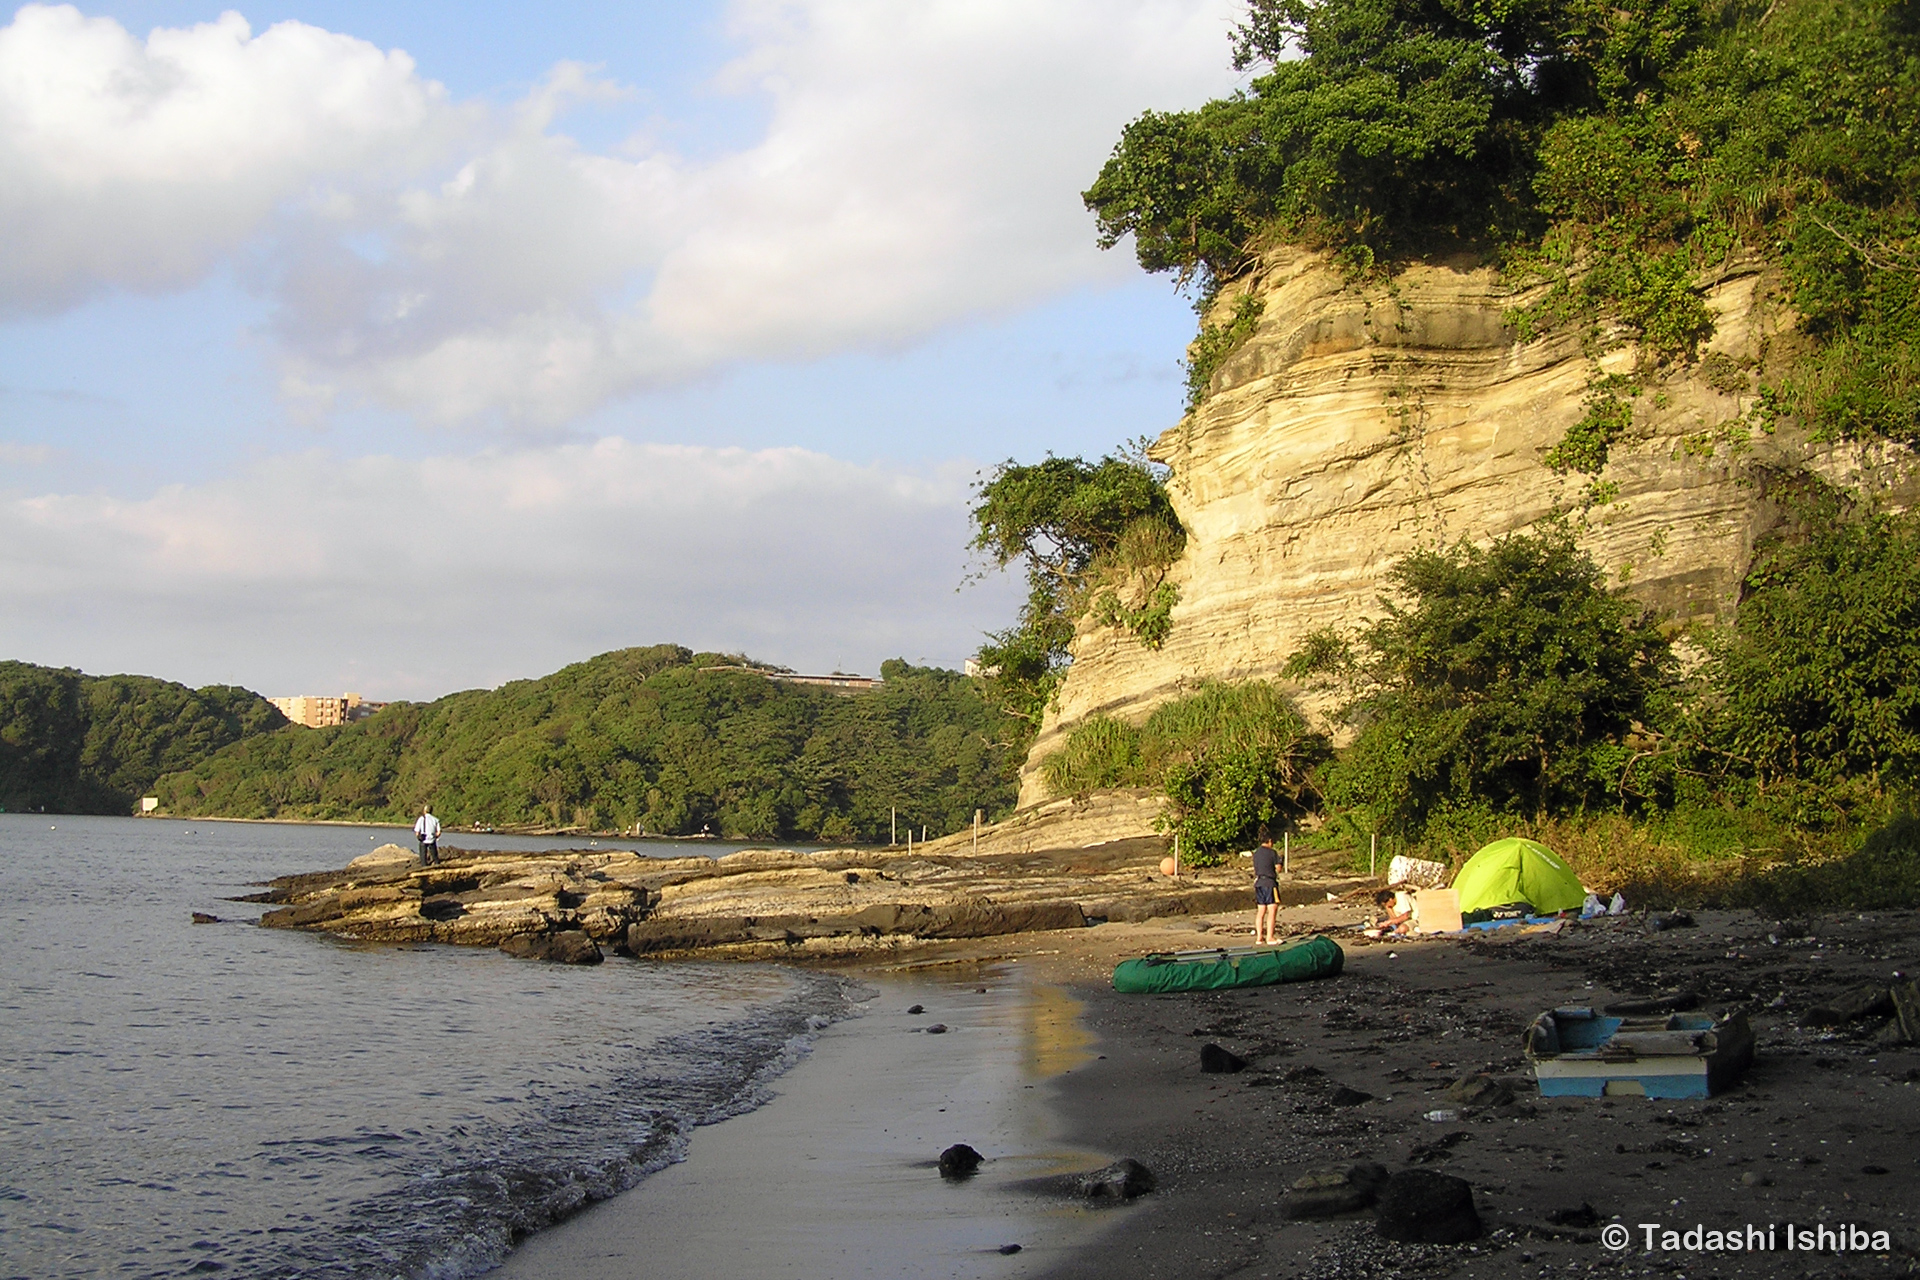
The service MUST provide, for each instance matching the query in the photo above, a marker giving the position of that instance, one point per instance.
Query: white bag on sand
(1417, 872)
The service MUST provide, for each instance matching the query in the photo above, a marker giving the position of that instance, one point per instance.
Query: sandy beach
(1049, 1070)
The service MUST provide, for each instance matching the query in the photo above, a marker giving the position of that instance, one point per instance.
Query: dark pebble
(917, 1008)
(1009, 1248)
(937, 1029)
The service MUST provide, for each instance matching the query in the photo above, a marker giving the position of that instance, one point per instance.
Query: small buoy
(1168, 866)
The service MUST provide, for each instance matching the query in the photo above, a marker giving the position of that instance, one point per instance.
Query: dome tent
(1515, 870)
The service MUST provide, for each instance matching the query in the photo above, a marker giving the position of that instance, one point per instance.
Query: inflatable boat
(1230, 967)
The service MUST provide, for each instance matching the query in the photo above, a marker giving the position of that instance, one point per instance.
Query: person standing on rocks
(427, 831)
(1266, 892)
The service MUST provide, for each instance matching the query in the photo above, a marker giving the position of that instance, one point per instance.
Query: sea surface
(181, 1099)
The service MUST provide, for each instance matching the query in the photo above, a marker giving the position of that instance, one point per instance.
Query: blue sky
(406, 348)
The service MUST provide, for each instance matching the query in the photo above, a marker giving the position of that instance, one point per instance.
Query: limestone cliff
(1362, 421)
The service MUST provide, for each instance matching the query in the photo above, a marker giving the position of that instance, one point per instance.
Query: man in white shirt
(427, 832)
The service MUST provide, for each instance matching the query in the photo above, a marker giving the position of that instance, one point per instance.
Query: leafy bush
(1085, 533)
(1507, 681)
(1814, 700)
(1232, 758)
(1100, 752)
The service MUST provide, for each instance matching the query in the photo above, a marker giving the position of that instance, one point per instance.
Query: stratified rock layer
(755, 901)
(1360, 423)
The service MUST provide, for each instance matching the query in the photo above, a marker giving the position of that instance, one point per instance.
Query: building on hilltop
(840, 680)
(321, 712)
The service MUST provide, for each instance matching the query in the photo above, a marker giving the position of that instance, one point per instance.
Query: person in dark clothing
(1266, 891)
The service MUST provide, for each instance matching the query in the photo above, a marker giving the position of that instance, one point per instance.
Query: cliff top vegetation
(1614, 148)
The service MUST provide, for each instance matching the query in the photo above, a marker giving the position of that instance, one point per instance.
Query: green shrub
(1507, 681)
(1100, 752)
(1232, 757)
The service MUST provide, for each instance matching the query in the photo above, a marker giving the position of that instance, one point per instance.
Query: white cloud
(24, 455)
(411, 578)
(140, 163)
(921, 165)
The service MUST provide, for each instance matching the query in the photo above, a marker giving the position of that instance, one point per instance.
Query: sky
(405, 348)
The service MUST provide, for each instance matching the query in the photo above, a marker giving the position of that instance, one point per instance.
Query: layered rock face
(1361, 422)
(564, 905)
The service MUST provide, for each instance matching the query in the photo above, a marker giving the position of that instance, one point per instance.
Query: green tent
(1515, 870)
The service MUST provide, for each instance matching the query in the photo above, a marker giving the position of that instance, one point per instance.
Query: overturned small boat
(1212, 970)
(1578, 1053)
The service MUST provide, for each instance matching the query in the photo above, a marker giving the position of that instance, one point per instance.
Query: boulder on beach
(386, 857)
(1479, 1089)
(1325, 1193)
(1419, 1206)
(1121, 1180)
(959, 1161)
(569, 946)
(1217, 1061)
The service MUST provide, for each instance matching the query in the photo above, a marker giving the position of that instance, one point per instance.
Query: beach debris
(1417, 872)
(937, 1029)
(1419, 1206)
(1479, 1089)
(959, 1161)
(1122, 1180)
(1657, 923)
(1441, 1148)
(1443, 1115)
(916, 1008)
(569, 946)
(1217, 1061)
(201, 917)
(1676, 1002)
(1584, 1216)
(1325, 1193)
(1578, 1053)
(1851, 1006)
(1905, 1027)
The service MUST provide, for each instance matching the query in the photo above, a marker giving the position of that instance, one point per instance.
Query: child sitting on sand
(1398, 909)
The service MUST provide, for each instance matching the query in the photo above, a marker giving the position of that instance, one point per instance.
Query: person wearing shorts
(1266, 892)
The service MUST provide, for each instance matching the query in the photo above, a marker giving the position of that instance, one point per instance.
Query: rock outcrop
(1360, 422)
(560, 905)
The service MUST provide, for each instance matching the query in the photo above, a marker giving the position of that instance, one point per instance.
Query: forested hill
(75, 743)
(639, 737)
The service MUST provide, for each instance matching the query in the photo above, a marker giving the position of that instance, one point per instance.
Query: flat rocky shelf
(753, 902)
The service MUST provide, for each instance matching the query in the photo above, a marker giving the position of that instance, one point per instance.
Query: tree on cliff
(1615, 150)
(1506, 678)
(1072, 524)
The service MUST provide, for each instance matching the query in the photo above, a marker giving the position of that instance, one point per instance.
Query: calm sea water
(180, 1099)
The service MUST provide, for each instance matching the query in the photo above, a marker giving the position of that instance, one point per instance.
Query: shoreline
(1818, 1131)
(835, 1174)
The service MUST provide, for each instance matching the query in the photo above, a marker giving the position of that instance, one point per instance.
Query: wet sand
(836, 1176)
(1825, 1129)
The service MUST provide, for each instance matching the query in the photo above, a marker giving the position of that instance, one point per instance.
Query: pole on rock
(1286, 852)
(1373, 854)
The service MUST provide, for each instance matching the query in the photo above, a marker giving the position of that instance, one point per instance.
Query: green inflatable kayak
(1236, 967)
